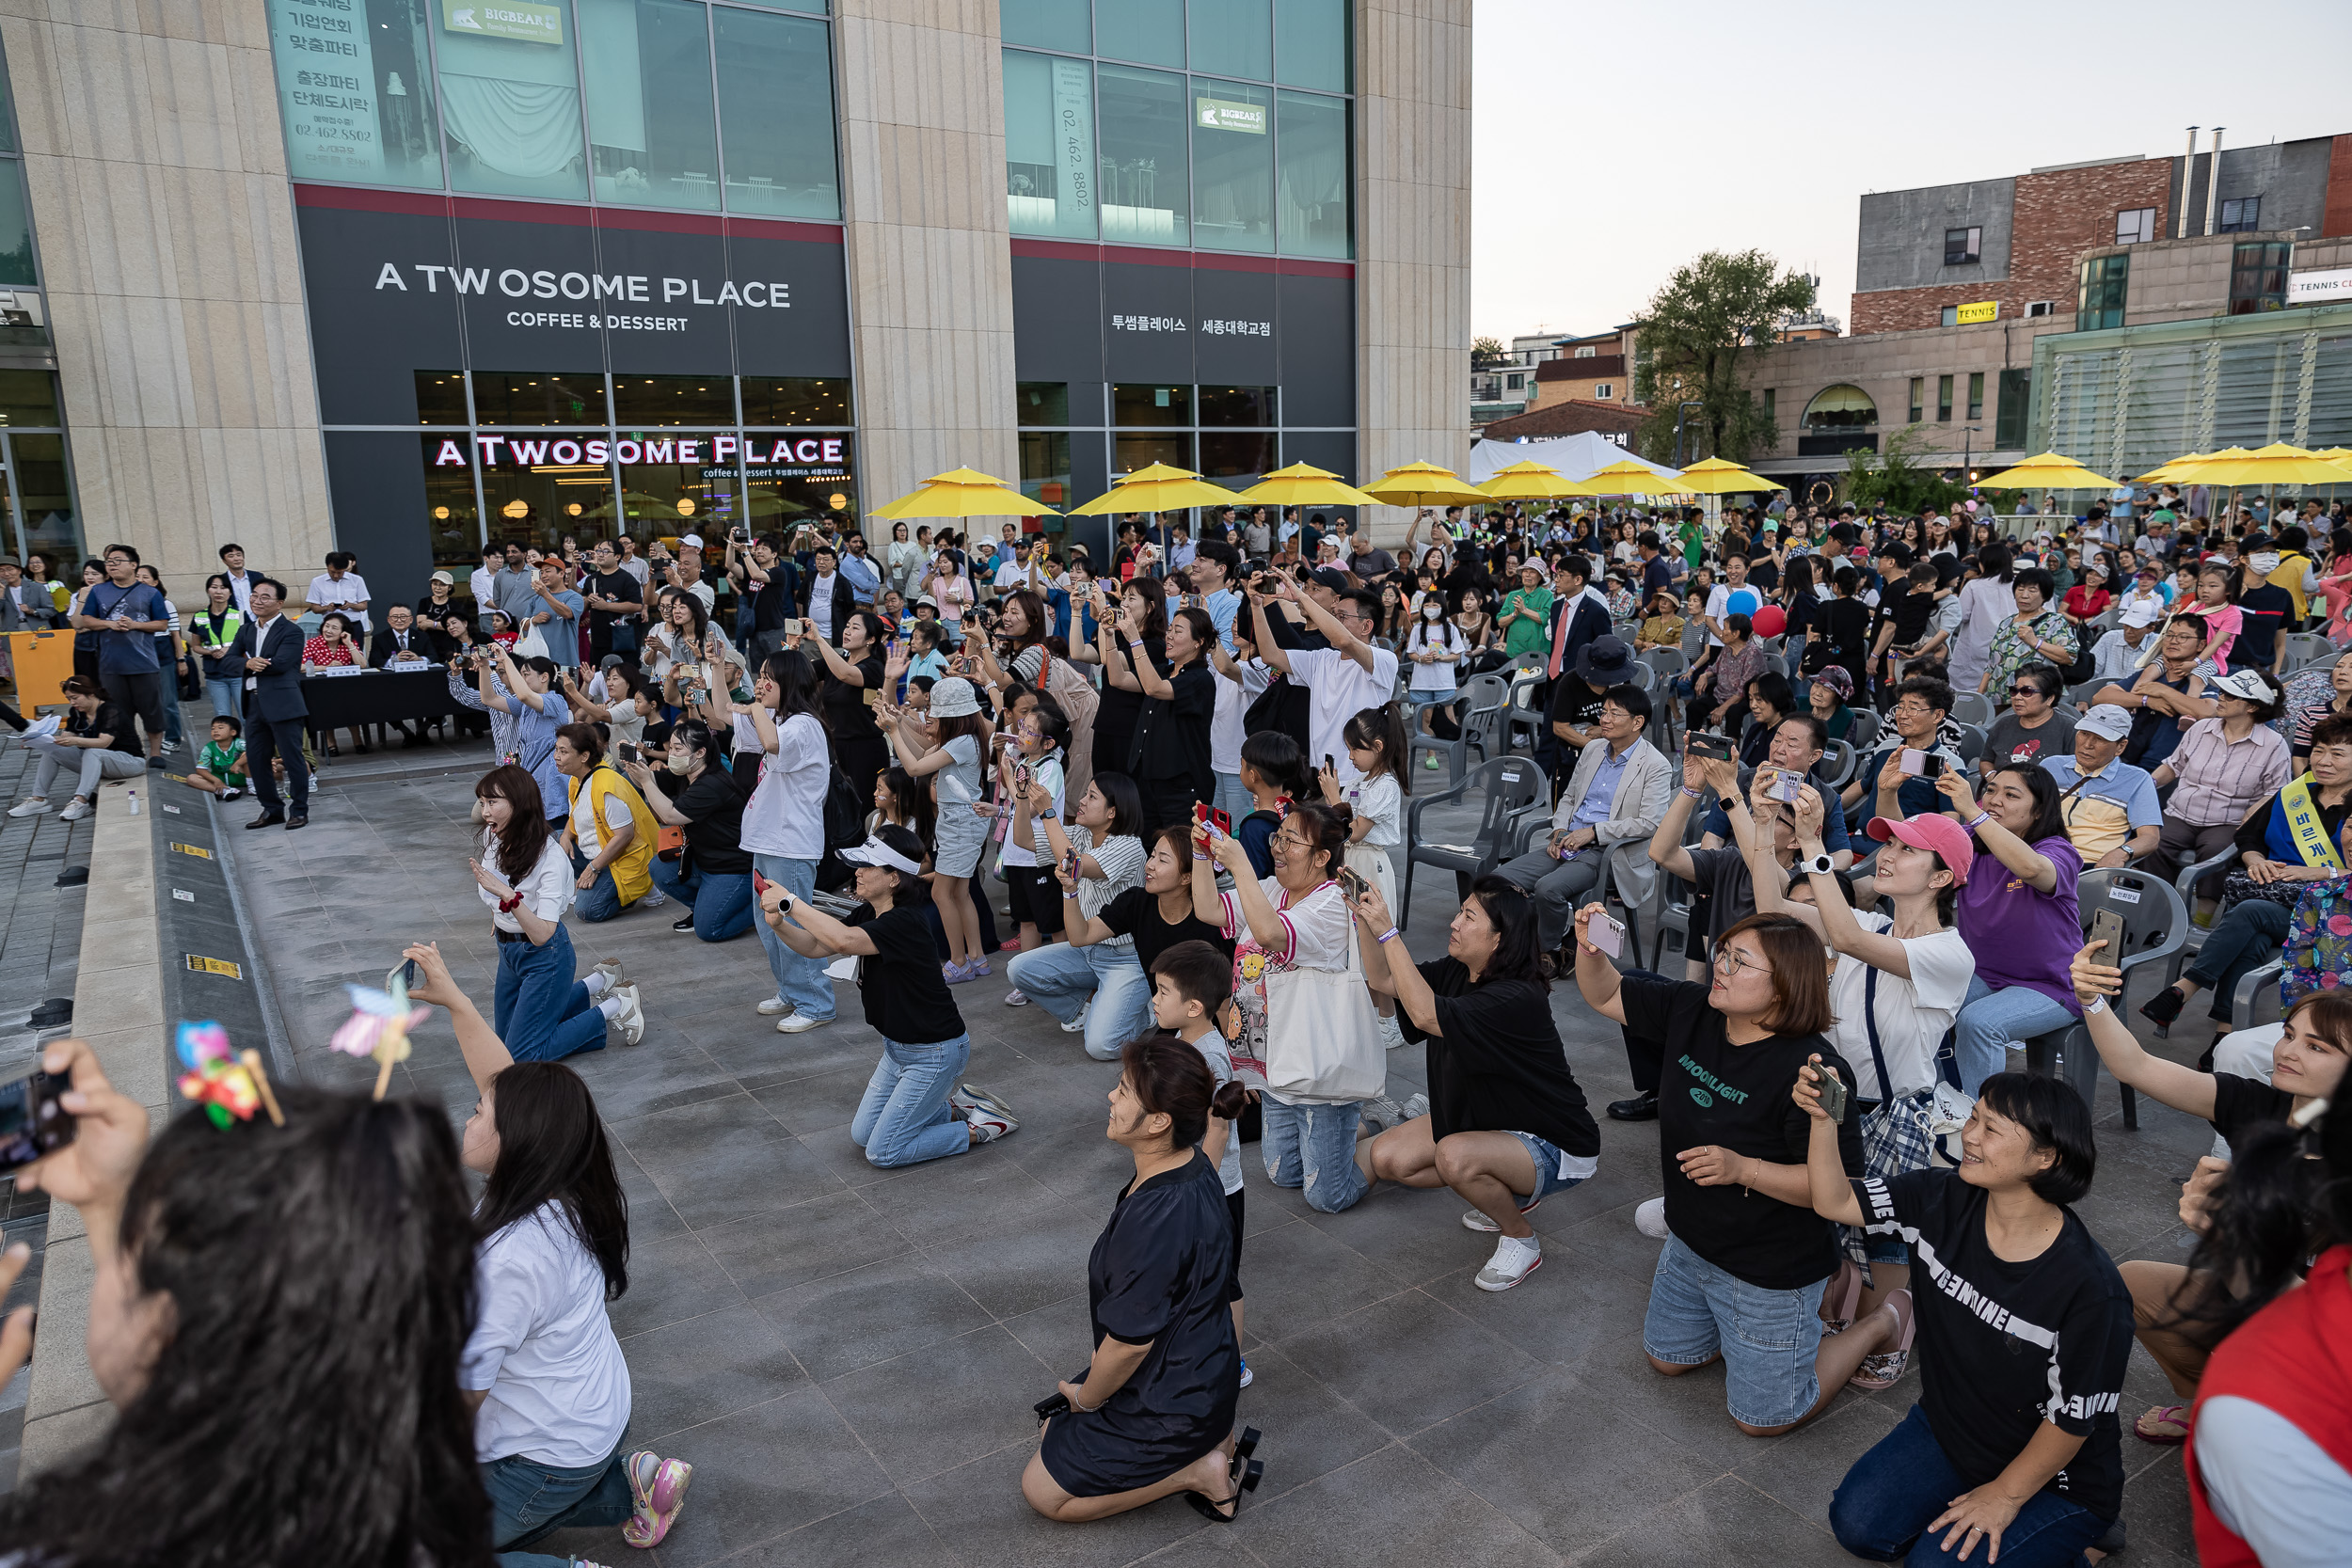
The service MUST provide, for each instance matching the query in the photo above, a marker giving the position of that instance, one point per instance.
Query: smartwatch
(1821, 865)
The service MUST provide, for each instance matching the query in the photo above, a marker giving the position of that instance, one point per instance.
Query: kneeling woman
(2013, 1446)
(913, 1109)
(1507, 1124)
(1152, 1414)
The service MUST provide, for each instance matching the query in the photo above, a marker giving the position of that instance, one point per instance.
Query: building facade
(402, 277)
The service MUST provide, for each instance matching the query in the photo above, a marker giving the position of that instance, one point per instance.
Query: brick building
(1615, 421)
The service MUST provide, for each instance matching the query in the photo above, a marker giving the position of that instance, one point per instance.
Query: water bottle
(134, 802)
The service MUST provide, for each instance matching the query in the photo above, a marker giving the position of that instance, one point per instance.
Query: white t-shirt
(821, 603)
(1011, 576)
(325, 591)
(1912, 1015)
(542, 1349)
(547, 891)
(1337, 689)
(1436, 674)
(1382, 800)
(587, 830)
(1049, 774)
(786, 814)
(1219, 1056)
(1718, 599)
(1225, 726)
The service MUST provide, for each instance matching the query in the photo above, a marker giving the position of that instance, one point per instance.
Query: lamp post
(1682, 413)
(1967, 456)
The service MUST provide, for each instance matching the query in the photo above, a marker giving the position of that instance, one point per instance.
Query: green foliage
(1486, 352)
(1896, 481)
(1692, 337)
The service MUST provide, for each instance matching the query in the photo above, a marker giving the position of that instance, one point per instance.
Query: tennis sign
(1983, 311)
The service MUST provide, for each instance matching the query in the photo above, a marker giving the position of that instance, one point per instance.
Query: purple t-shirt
(2020, 936)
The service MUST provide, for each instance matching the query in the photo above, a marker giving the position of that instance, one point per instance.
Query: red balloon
(1770, 621)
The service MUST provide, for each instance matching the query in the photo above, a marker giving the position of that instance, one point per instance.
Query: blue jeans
(721, 901)
(529, 1500)
(1990, 1019)
(905, 1119)
(1313, 1147)
(602, 900)
(1062, 979)
(226, 697)
(1882, 1509)
(1767, 1338)
(2246, 937)
(1231, 797)
(799, 981)
(539, 1010)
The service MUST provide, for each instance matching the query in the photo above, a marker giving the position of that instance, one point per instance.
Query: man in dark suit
(269, 650)
(400, 642)
(1578, 619)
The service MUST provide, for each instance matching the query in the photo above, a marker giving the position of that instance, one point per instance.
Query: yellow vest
(2289, 575)
(632, 874)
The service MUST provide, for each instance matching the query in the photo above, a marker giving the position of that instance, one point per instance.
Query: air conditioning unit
(2041, 308)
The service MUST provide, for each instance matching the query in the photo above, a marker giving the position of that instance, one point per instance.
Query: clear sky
(1613, 142)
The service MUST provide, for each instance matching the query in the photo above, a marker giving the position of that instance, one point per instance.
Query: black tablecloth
(378, 697)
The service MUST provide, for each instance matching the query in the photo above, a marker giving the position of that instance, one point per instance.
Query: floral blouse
(2011, 653)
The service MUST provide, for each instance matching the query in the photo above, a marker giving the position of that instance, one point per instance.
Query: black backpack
(845, 813)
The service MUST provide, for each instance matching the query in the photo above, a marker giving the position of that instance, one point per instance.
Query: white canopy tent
(1579, 456)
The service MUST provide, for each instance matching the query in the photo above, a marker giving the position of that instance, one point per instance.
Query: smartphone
(1913, 762)
(1070, 865)
(1716, 748)
(791, 627)
(1330, 766)
(405, 972)
(1023, 776)
(629, 752)
(1833, 1092)
(1220, 822)
(1785, 787)
(32, 1123)
(1056, 1404)
(2108, 926)
(1608, 934)
(759, 883)
(1352, 883)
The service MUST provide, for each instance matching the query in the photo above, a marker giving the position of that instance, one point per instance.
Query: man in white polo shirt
(1343, 679)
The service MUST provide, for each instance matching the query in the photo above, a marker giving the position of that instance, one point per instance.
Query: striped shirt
(2221, 779)
(1121, 860)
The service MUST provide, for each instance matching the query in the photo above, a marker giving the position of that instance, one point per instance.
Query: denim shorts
(1547, 1156)
(1431, 699)
(1766, 1337)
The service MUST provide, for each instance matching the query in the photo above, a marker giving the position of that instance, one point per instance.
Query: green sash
(2303, 814)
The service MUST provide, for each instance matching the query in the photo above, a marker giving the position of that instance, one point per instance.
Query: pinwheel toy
(379, 1026)
(217, 1079)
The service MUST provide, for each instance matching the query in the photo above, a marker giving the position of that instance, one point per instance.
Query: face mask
(1431, 611)
(678, 764)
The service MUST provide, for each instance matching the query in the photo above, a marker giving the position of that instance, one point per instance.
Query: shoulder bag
(1323, 1038)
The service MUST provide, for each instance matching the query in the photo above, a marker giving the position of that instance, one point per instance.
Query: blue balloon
(1743, 601)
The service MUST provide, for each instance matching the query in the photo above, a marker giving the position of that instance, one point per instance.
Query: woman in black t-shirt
(914, 1108)
(2013, 1447)
(851, 687)
(712, 875)
(1169, 755)
(1158, 914)
(1115, 716)
(2308, 1065)
(1507, 1125)
(1742, 1270)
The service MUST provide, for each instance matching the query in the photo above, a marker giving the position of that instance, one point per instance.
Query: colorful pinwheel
(215, 1078)
(379, 1026)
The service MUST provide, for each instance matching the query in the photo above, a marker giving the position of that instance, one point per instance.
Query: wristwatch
(1821, 865)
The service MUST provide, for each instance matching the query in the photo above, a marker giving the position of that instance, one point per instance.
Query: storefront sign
(2315, 287)
(326, 82)
(520, 20)
(1983, 311)
(1219, 114)
(543, 283)
(532, 452)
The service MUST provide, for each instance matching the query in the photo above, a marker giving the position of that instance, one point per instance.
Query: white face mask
(1431, 611)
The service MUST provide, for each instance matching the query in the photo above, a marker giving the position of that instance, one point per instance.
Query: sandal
(1222, 1509)
(2163, 1424)
(1841, 1297)
(1889, 1363)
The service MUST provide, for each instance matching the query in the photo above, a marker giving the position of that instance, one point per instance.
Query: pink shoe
(658, 1487)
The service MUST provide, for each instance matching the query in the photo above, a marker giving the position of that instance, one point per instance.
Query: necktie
(1560, 639)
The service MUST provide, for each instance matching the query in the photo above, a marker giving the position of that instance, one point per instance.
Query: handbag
(1323, 1038)
(530, 644)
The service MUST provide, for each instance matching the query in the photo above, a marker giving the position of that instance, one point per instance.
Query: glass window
(674, 400)
(1961, 246)
(16, 229)
(2135, 227)
(1050, 170)
(651, 142)
(1949, 317)
(1315, 178)
(541, 487)
(2258, 277)
(797, 476)
(1045, 470)
(1944, 398)
(1234, 38)
(2009, 418)
(452, 520)
(1310, 43)
(1918, 394)
(1771, 402)
(1062, 24)
(1041, 402)
(1604, 391)
(1238, 405)
(1146, 176)
(2240, 215)
(775, 114)
(44, 485)
(440, 397)
(510, 100)
(1245, 457)
(1134, 403)
(29, 398)
(355, 92)
(524, 397)
(1232, 174)
(673, 486)
(1150, 32)
(1976, 394)
(795, 400)
(1847, 407)
(1130, 452)
(2106, 282)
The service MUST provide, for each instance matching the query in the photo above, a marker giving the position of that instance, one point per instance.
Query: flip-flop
(2171, 1422)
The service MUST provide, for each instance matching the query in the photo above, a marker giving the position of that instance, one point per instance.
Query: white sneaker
(797, 1023)
(37, 807)
(1392, 1033)
(1416, 1106)
(1513, 1261)
(971, 1098)
(632, 1019)
(611, 970)
(1078, 1025)
(990, 1125)
(75, 811)
(1651, 1219)
(168, 747)
(653, 899)
(775, 1006)
(1476, 1219)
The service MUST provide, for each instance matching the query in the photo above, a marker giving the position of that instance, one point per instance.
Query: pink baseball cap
(1945, 837)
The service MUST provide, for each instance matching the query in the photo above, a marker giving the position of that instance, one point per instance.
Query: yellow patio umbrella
(1529, 480)
(963, 493)
(1304, 484)
(2276, 464)
(1160, 487)
(2048, 471)
(2173, 472)
(1715, 477)
(1424, 485)
(1628, 478)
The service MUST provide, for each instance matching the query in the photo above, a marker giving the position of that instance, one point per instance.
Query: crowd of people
(1870, 759)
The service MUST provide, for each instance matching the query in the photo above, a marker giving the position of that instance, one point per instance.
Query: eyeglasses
(1727, 957)
(2016, 691)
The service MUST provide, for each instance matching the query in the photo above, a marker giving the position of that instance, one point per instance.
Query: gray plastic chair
(1511, 785)
(1973, 708)
(2193, 939)
(1838, 764)
(1863, 736)
(2154, 923)
(1482, 702)
(2305, 649)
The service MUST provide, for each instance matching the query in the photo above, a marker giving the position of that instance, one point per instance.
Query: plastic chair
(1973, 708)
(2305, 649)
(1838, 764)
(2254, 988)
(1971, 744)
(1482, 700)
(2193, 940)
(2080, 693)
(1669, 665)
(2155, 922)
(1863, 736)
(1675, 896)
(1510, 785)
(1526, 711)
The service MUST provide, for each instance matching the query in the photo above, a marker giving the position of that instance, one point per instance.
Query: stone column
(166, 232)
(929, 253)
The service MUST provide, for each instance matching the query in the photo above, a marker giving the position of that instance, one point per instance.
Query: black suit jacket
(276, 694)
(423, 642)
(1591, 621)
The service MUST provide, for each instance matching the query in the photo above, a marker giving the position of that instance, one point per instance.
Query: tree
(1895, 480)
(1692, 337)
(1486, 352)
